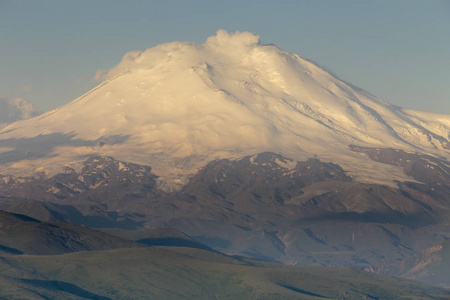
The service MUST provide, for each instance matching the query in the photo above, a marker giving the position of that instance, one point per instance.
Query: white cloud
(232, 42)
(223, 43)
(15, 109)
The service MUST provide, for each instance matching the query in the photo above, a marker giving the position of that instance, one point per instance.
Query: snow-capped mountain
(179, 105)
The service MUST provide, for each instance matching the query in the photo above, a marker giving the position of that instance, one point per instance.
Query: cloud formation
(15, 109)
(231, 42)
(221, 44)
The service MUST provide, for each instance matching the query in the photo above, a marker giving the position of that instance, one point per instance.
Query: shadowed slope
(24, 235)
(157, 237)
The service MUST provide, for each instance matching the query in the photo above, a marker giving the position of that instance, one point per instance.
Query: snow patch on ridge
(286, 164)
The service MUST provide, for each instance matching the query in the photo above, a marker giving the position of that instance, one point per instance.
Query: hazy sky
(399, 50)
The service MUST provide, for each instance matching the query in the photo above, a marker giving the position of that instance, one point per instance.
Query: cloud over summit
(232, 42)
(232, 45)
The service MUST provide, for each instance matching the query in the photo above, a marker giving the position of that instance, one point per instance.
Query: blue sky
(397, 50)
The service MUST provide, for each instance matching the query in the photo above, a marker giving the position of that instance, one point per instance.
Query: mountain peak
(227, 46)
(179, 105)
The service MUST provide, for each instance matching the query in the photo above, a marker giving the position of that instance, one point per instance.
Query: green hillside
(50, 260)
(188, 273)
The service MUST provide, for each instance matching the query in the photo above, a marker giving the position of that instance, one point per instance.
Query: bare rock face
(422, 167)
(100, 177)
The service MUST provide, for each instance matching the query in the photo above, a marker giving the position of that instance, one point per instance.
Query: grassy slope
(187, 273)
